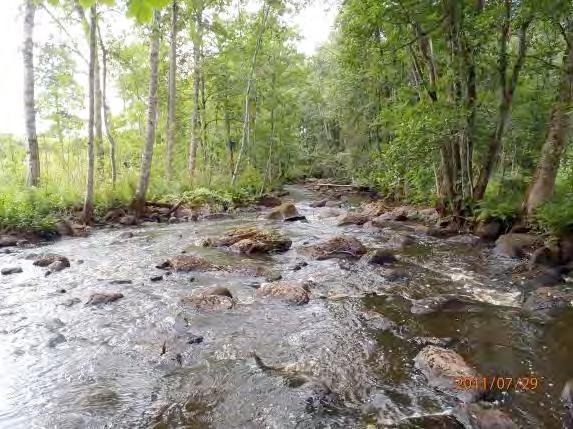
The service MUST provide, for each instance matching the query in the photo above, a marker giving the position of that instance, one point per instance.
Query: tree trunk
(33, 178)
(195, 119)
(507, 91)
(543, 183)
(145, 172)
(98, 101)
(245, 136)
(89, 197)
(106, 112)
(172, 91)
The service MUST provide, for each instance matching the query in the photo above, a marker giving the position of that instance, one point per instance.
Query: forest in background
(464, 105)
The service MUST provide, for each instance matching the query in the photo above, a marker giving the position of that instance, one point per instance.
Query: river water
(67, 365)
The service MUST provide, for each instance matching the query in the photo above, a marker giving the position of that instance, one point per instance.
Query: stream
(140, 361)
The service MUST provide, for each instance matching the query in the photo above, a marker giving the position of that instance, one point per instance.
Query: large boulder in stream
(442, 367)
(251, 240)
(293, 292)
(282, 212)
(336, 247)
(211, 298)
(48, 259)
(517, 245)
(187, 263)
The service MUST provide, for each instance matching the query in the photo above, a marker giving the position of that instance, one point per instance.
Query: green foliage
(556, 215)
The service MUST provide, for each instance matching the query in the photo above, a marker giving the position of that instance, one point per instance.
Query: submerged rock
(294, 292)
(380, 257)
(441, 367)
(187, 263)
(478, 417)
(336, 247)
(252, 240)
(445, 302)
(10, 270)
(548, 300)
(49, 258)
(517, 245)
(434, 421)
(55, 340)
(284, 211)
(103, 298)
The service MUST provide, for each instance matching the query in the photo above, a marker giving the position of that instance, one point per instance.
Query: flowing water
(67, 365)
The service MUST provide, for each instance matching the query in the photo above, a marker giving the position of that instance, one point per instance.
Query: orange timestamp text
(497, 383)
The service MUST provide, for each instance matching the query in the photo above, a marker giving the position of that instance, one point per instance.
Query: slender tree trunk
(33, 178)
(543, 183)
(270, 155)
(98, 102)
(89, 197)
(172, 90)
(245, 136)
(195, 118)
(507, 91)
(106, 112)
(146, 158)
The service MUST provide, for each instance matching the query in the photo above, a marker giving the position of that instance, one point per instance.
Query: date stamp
(497, 383)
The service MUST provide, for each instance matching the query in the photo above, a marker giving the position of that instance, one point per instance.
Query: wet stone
(55, 340)
(336, 247)
(103, 298)
(57, 266)
(156, 278)
(120, 282)
(8, 240)
(49, 258)
(284, 211)
(209, 302)
(10, 270)
(293, 292)
(195, 339)
(71, 302)
(441, 367)
(481, 417)
(380, 257)
(187, 263)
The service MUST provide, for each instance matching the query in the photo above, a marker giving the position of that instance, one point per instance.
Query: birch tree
(33, 176)
(146, 158)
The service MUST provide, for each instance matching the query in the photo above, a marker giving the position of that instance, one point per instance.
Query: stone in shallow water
(11, 270)
(294, 292)
(442, 367)
(209, 302)
(49, 258)
(55, 340)
(187, 263)
(103, 298)
(336, 247)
